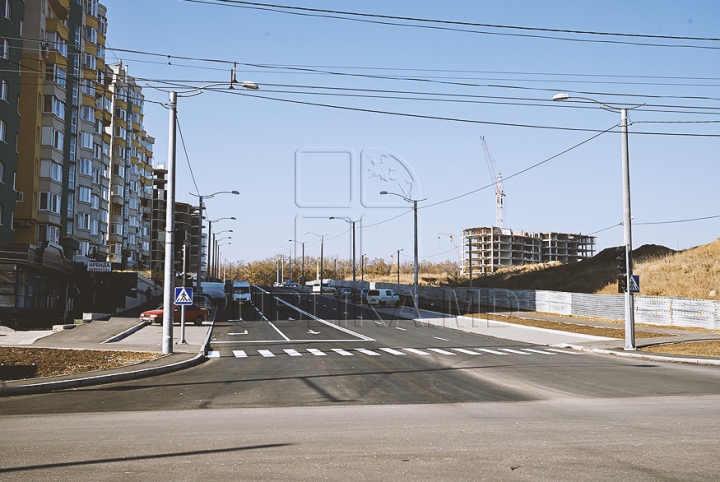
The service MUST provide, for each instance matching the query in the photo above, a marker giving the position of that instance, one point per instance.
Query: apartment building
(488, 249)
(11, 46)
(75, 159)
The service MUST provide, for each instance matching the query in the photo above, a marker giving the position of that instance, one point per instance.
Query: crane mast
(454, 245)
(497, 179)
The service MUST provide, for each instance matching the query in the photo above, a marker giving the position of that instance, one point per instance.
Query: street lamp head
(383, 192)
(236, 192)
(249, 85)
(561, 96)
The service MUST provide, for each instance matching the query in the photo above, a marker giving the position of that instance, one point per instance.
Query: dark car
(359, 295)
(342, 293)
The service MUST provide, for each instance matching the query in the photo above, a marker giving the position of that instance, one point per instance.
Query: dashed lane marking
(239, 353)
(494, 352)
(266, 353)
(442, 352)
(517, 352)
(416, 351)
(467, 352)
(367, 352)
(316, 352)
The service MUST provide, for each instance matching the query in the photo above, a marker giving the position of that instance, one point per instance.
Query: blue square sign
(183, 296)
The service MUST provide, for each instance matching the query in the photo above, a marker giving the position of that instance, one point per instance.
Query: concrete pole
(169, 279)
(417, 267)
(627, 234)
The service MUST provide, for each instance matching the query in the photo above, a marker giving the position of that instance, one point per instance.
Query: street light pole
(169, 268)
(362, 267)
(209, 246)
(627, 216)
(354, 271)
(322, 266)
(302, 275)
(416, 271)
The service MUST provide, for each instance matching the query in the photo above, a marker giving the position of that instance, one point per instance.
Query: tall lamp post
(302, 272)
(201, 206)
(216, 254)
(398, 264)
(169, 267)
(415, 278)
(627, 217)
(348, 220)
(289, 259)
(322, 266)
(215, 272)
(362, 267)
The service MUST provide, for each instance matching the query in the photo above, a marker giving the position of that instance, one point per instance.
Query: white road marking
(281, 333)
(239, 353)
(213, 354)
(492, 351)
(245, 332)
(367, 352)
(313, 332)
(517, 352)
(342, 352)
(438, 338)
(417, 352)
(442, 352)
(565, 352)
(316, 352)
(310, 315)
(538, 351)
(467, 352)
(266, 353)
(292, 352)
(392, 352)
(401, 329)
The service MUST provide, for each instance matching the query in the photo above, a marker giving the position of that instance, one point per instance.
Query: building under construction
(491, 248)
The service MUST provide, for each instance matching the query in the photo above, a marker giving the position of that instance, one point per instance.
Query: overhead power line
(472, 27)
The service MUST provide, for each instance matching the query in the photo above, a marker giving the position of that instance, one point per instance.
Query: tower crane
(454, 245)
(497, 178)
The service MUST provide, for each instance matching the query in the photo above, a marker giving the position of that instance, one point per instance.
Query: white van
(241, 291)
(382, 297)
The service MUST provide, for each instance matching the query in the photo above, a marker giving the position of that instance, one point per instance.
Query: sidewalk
(121, 334)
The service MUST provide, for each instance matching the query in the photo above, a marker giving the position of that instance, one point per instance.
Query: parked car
(290, 284)
(192, 312)
(382, 297)
(342, 293)
(359, 295)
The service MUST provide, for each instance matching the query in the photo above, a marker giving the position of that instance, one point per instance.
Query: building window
(95, 201)
(3, 90)
(2, 172)
(49, 201)
(85, 166)
(3, 130)
(93, 226)
(71, 176)
(48, 233)
(87, 113)
(84, 194)
(6, 9)
(52, 137)
(4, 49)
(54, 106)
(83, 221)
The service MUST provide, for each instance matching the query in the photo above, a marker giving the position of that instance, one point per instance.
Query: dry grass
(694, 348)
(585, 329)
(19, 363)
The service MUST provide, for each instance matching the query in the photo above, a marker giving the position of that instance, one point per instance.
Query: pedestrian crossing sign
(183, 296)
(635, 284)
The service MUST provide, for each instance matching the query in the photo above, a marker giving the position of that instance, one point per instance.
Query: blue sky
(297, 164)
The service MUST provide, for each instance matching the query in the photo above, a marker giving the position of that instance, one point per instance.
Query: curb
(101, 379)
(639, 356)
(126, 333)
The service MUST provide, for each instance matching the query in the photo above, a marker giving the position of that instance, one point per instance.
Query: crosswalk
(347, 352)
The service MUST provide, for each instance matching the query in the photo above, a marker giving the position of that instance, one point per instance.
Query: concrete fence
(668, 311)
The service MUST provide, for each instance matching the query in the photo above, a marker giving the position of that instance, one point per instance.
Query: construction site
(489, 248)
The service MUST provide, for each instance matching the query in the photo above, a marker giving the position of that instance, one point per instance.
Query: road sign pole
(182, 308)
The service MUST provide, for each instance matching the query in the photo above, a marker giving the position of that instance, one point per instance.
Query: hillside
(693, 273)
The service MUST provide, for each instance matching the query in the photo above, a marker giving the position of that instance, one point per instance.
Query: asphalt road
(302, 387)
